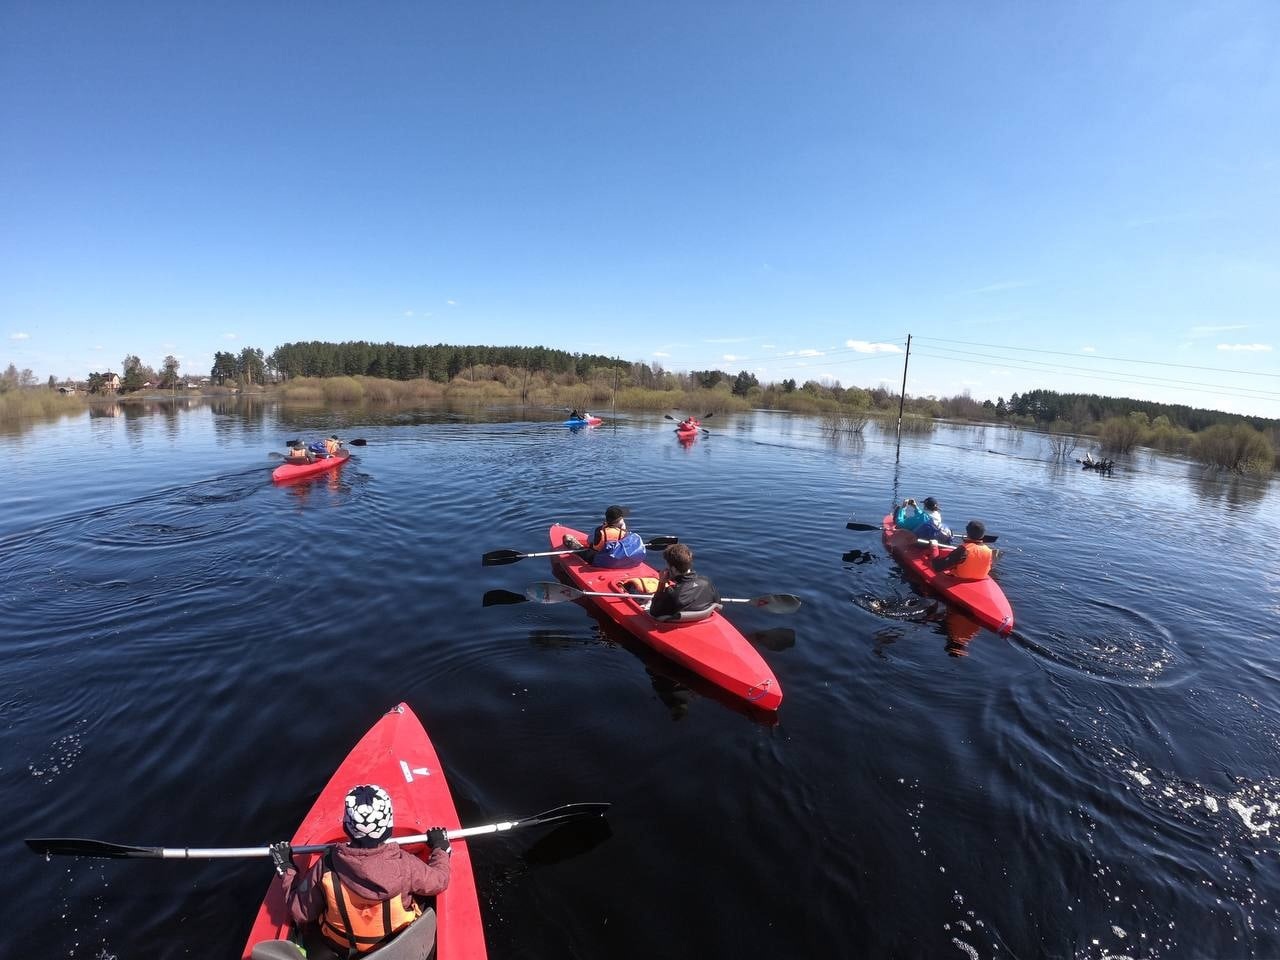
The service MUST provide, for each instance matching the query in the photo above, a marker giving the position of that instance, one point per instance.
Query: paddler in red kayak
(679, 593)
(362, 893)
(612, 544)
(298, 453)
(971, 560)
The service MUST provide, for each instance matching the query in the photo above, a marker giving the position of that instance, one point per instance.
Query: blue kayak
(588, 422)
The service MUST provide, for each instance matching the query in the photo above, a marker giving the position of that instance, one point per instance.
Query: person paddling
(298, 453)
(970, 560)
(679, 589)
(360, 894)
(611, 544)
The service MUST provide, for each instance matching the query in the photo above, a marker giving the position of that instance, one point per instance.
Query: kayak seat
(690, 616)
(277, 950)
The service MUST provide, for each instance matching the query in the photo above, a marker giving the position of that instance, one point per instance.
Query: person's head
(975, 530)
(333, 437)
(930, 503)
(367, 818)
(679, 558)
(615, 513)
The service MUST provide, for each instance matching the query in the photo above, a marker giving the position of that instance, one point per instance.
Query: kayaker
(361, 893)
(909, 515)
(576, 415)
(970, 560)
(612, 544)
(298, 453)
(930, 527)
(333, 445)
(680, 589)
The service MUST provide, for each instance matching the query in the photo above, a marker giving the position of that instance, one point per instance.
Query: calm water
(189, 652)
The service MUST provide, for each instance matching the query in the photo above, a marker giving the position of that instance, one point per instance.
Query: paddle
(497, 558)
(867, 527)
(74, 847)
(357, 442)
(555, 592)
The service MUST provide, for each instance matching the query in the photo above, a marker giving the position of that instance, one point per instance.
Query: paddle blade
(670, 417)
(864, 527)
(498, 598)
(75, 847)
(496, 558)
(661, 543)
(548, 591)
(778, 603)
(358, 442)
(568, 811)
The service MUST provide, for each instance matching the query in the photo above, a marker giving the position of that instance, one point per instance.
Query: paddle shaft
(103, 849)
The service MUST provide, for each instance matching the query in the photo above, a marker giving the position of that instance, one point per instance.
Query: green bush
(1236, 447)
(1120, 434)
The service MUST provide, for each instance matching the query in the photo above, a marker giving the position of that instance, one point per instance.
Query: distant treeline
(1048, 407)
(440, 362)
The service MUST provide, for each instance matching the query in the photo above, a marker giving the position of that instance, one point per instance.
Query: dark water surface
(189, 651)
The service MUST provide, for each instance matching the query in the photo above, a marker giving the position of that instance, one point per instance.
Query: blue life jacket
(626, 552)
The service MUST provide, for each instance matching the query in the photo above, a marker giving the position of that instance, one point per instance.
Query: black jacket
(686, 591)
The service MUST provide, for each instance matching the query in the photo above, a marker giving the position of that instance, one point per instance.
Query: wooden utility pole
(902, 399)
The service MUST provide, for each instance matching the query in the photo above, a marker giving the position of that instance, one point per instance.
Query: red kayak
(396, 755)
(688, 429)
(294, 471)
(712, 648)
(981, 599)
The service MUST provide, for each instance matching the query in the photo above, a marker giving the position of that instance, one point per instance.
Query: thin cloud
(1088, 349)
(659, 353)
(729, 358)
(768, 346)
(1246, 347)
(1001, 285)
(408, 313)
(19, 336)
(865, 346)
(727, 340)
(452, 303)
(231, 336)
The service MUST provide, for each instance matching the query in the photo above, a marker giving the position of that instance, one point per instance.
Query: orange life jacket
(976, 564)
(640, 584)
(356, 923)
(297, 453)
(608, 534)
(332, 447)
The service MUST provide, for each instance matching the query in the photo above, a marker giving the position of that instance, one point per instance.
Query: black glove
(438, 839)
(282, 857)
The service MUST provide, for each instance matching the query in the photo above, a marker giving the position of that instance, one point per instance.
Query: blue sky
(1078, 196)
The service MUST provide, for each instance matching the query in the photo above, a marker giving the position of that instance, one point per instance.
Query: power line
(1067, 353)
(1136, 380)
(1147, 379)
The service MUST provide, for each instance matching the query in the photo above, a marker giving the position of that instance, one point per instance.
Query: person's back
(361, 894)
(909, 515)
(680, 590)
(930, 526)
(612, 544)
(332, 446)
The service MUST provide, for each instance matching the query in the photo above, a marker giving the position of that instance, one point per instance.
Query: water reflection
(1218, 489)
(957, 627)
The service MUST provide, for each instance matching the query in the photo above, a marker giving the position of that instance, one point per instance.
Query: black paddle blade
(864, 527)
(496, 558)
(661, 543)
(568, 811)
(358, 442)
(498, 598)
(74, 847)
(670, 417)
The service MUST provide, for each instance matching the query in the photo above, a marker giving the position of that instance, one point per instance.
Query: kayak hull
(589, 422)
(397, 755)
(713, 648)
(981, 599)
(296, 471)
